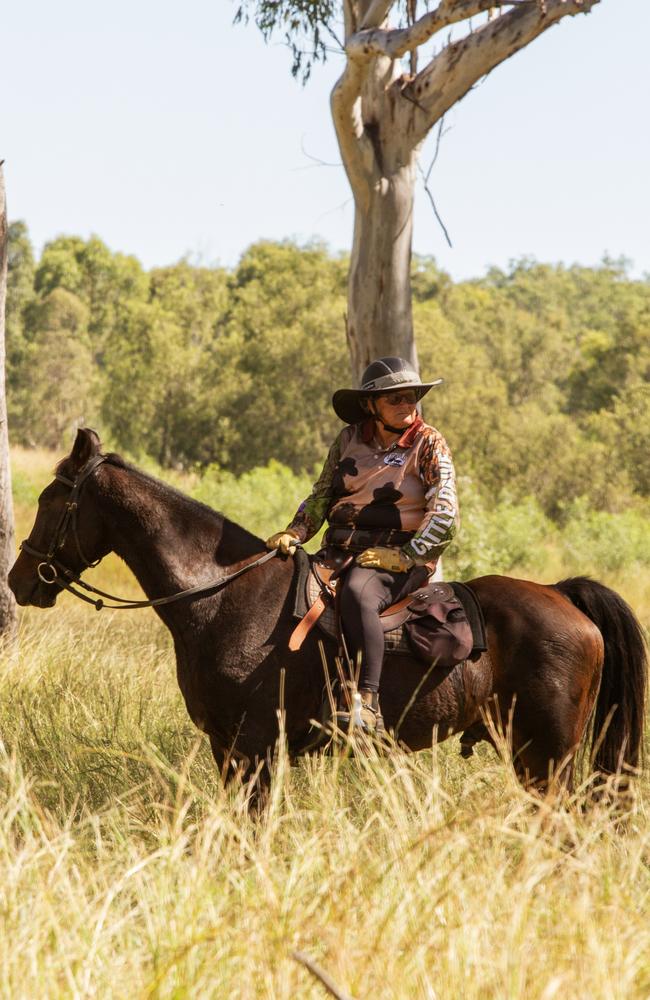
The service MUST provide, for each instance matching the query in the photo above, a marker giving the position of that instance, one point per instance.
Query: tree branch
(377, 13)
(356, 149)
(397, 42)
(349, 18)
(456, 69)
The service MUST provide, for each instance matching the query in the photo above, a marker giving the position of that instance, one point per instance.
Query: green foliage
(495, 537)
(261, 500)
(159, 364)
(20, 284)
(25, 487)
(104, 281)
(306, 26)
(309, 27)
(547, 372)
(599, 541)
(626, 428)
(20, 293)
(59, 378)
(282, 354)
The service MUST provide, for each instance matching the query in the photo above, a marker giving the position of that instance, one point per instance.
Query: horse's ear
(85, 447)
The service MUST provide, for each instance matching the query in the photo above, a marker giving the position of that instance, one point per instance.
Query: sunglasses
(395, 398)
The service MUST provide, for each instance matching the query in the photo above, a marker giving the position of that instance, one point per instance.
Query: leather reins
(51, 570)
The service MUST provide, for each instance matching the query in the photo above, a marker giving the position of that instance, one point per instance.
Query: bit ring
(41, 572)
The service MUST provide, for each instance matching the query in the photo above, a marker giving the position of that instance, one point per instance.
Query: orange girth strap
(306, 624)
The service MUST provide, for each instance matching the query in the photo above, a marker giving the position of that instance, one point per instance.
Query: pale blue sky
(168, 130)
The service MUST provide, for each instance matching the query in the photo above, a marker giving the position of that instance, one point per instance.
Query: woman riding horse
(388, 492)
(558, 656)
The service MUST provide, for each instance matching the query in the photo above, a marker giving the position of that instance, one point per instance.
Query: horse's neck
(168, 542)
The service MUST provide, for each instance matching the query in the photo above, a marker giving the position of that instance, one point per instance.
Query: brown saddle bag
(437, 628)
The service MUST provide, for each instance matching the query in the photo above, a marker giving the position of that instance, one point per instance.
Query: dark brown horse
(558, 655)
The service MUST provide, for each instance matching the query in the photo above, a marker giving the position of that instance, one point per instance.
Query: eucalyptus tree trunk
(379, 320)
(7, 548)
(382, 116)
(379, 299)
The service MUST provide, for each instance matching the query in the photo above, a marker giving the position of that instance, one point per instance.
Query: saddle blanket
(397, 640)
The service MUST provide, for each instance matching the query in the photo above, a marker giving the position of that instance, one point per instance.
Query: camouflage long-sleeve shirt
(409, 487)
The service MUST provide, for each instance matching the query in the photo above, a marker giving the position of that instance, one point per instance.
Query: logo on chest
(395, 458)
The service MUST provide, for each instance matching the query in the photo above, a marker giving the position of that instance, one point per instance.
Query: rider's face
(398, 408)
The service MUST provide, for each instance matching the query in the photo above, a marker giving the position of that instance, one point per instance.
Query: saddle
(440, 623)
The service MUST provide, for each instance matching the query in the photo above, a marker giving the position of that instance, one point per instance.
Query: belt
(358, 539)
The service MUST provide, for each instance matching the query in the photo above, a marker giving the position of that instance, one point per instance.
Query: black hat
(379, 377)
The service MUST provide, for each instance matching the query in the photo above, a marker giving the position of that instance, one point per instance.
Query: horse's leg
(547, 663)
(230, 763)
(478, 732)
(548, 714)
(254, 775)
(530, 758)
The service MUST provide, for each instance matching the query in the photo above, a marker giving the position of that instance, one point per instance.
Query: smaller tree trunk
(7, 545)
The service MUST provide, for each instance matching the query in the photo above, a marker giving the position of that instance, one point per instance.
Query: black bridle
(51, 570)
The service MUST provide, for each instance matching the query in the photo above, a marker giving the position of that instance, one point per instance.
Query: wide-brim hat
(379, 377)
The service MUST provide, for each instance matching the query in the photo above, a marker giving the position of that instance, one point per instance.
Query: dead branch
(321, 975)
(316, 160)
(433, 206)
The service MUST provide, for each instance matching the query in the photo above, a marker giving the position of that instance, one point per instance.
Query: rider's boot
(368, 715)
(359, 711)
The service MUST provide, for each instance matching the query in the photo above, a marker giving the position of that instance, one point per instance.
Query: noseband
(51, 570)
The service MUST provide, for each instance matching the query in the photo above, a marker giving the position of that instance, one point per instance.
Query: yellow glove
(394, 560)
(285, 541)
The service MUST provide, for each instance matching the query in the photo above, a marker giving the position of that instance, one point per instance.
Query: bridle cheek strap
(68, 518)
(64, 577)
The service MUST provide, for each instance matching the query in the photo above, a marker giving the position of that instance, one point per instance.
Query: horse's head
(67, 534)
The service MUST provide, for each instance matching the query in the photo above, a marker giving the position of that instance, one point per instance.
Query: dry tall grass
(127, 871)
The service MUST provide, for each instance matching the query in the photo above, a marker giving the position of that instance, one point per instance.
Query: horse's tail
(620, 706)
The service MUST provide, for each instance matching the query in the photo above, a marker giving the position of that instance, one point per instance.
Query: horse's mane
(194, 508)
(161, 488)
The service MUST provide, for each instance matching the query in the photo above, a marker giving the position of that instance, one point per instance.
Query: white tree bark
(7, 547)
(382, 116)
(379, 320)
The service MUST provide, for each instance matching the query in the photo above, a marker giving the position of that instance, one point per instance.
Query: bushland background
(126, 870)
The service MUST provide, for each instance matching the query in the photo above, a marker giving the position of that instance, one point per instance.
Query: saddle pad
(308, 589)
(395, 641)
(474, 613)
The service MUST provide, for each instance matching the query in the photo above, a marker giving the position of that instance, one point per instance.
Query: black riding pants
(367, 592)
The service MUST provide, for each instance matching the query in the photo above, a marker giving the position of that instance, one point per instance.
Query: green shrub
(263, 500)
(25, 486)
(598, 540)
(493, 538)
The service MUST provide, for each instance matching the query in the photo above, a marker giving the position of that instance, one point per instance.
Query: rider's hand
(394, 560)
(285, 541)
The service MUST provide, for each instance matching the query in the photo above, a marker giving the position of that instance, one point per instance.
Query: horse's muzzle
(28, 588)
